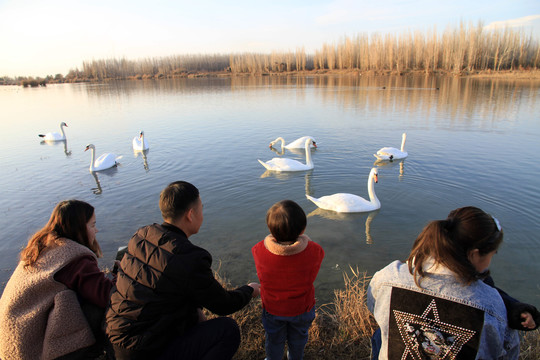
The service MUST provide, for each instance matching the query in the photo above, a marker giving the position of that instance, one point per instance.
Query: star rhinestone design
(429, 337)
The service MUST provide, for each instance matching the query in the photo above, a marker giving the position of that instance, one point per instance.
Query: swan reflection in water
(332, 215)
(56, 143)
(279, 152)
(289, 175)
(390, 164)
(109, 172)
(97, 190)
(145, 159)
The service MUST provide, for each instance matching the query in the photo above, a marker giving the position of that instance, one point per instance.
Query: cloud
(527, 23)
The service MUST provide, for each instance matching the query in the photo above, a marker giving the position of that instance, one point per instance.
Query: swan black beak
(314, 144)
(376, 178)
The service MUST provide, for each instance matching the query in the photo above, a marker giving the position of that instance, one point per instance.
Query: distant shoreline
(522, 75)
(502, 74)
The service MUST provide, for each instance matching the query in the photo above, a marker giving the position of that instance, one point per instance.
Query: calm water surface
(470, 142)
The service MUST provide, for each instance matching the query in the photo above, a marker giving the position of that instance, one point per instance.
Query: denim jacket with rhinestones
(496, 340)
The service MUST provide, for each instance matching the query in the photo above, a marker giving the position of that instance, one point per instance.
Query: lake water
(470, 142)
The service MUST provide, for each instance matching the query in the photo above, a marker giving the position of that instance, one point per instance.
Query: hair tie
(497, 223)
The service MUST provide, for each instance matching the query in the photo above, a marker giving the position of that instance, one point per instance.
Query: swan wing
(343, 202)
(138, 145)
(299, 143)
(53, 136)
(105, 161)
(391, 151)
(387, 151)
(382, 157)
(285, 164)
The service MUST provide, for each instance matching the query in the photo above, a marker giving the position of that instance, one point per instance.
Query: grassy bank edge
(342, 329)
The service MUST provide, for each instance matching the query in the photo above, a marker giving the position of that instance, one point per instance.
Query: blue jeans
(293, 329)
(376, 343)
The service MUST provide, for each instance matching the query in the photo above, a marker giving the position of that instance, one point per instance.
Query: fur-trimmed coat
(40, 318)
(287, 273)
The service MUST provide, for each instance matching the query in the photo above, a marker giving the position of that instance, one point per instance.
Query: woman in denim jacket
(436, 305)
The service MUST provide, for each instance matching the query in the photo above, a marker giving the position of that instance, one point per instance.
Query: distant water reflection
(469, 142)
(58, 143)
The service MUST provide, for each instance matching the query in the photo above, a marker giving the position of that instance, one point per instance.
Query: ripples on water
(470, 142)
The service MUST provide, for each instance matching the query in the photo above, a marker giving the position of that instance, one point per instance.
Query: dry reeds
(530, 345)
(341, 330)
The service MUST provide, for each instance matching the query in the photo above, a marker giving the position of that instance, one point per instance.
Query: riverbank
(342, 329)
(533, 74)
(521, 75)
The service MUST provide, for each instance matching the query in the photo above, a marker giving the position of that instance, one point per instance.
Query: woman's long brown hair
(68, 220)
(449, 241)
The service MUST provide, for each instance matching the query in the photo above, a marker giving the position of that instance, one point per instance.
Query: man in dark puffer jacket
(163, 283)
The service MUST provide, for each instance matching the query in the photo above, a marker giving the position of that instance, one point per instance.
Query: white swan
(103, 162)
(296, 144)
(391, 153)
(54, 136)
(286, 164)
(343, 202)
(139, 143)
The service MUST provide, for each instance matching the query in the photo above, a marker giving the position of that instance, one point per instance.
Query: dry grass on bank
(530, 346)
(341, 330)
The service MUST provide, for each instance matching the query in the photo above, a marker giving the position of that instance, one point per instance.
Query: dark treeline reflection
(458, 97)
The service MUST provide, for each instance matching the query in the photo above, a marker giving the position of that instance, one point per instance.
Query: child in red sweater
(287, 263)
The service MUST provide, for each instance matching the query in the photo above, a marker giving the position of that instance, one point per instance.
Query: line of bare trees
(467, 48)
(169, 66)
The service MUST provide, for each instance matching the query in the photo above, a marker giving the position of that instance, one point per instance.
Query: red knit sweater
(287, 273)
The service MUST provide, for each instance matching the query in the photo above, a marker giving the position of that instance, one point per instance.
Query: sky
(39, 38)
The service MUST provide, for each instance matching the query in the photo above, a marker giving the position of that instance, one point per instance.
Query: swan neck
(62, 130)
(403, 142)
(308, 153)
(282, 141)
(371, 190)
(93, 158)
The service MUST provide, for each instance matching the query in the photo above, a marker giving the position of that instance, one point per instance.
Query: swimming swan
(286, 164)
(138, 142)
(390, 153)
(296, 144)
(103, 162)
(54, 136)
(343, 202)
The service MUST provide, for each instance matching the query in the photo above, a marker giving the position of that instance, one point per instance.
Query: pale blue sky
(38, 37)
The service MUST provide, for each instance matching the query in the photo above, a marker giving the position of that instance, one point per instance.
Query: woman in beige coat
(53, 304)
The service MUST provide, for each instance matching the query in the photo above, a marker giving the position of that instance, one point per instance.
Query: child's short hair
(286, 221)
